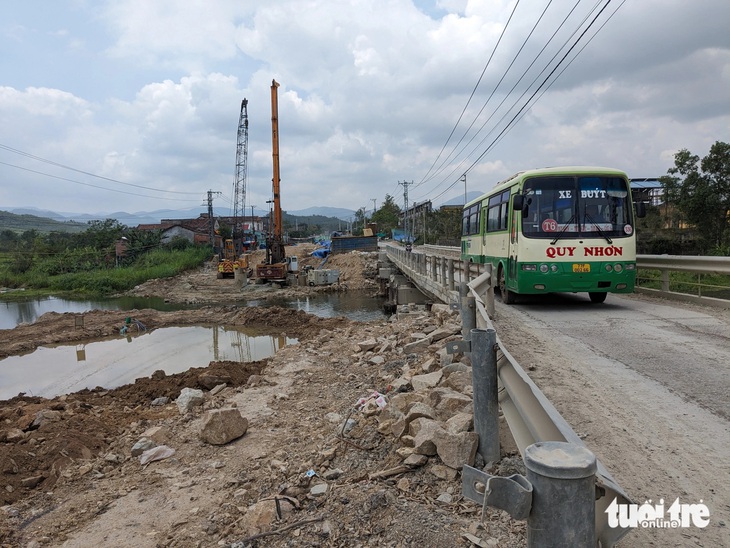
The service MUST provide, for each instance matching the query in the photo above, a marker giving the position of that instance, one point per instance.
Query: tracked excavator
(276, 267)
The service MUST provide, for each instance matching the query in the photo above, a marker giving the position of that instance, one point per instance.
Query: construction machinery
(232, 258)
(275, 267)
(230, 262)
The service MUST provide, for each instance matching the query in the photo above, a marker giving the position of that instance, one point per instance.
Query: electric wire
(97, 186)
(522, 111)
(51, 162)
(489, 98)
(484, 70)
(457, 168)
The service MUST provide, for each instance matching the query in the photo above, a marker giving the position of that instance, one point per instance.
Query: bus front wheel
(597, 297)
(507, 296)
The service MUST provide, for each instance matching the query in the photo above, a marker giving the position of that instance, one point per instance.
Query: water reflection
(51, 371)
(28, 311)
(354, 305)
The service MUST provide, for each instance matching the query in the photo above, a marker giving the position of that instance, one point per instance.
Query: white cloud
(370, 91)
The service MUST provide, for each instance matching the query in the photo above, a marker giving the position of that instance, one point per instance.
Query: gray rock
(188, 399)
(430, 380)
(221, 426)
(141, 446)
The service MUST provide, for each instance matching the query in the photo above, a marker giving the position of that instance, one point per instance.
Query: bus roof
(558, 170)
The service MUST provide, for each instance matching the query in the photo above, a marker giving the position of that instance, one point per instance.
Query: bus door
(513, 250)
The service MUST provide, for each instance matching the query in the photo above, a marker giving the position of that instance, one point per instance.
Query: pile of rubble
(353, 437)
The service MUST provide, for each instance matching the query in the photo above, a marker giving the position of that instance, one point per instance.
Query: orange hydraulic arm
(278, 231)
(275, 254)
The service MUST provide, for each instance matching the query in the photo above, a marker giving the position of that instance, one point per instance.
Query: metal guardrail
(682, 263)
(530, 415)
(664, 264)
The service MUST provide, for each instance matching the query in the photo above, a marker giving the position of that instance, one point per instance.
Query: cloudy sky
(134, 104)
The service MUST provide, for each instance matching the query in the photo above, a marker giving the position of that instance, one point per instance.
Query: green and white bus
(558, 229)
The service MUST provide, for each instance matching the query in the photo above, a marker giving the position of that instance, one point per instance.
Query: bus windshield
(576, 206)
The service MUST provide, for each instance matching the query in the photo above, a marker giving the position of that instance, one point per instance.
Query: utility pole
(374, 205)
(405, 205)
(463, 178)
(211, 220)
(253, 224)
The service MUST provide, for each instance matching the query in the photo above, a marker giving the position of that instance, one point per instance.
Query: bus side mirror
(518, 201)
(640, 209)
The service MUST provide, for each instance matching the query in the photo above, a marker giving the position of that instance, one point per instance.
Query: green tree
(101, 234)
(701, 189)
(444, 226)
(387, 216)
(359, 223)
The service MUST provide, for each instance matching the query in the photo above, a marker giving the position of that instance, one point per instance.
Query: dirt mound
(357, 272)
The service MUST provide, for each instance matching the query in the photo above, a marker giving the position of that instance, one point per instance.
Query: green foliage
(87, 262)
(386, 217)
(444, 226)
(708, 285)
(700, 189)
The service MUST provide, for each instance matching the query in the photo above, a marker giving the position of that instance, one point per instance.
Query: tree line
(694, 216)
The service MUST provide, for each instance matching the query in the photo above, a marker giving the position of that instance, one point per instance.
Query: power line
(51, 162)
(97, 186)
(504, 75)
(473, 91)
(540, 89)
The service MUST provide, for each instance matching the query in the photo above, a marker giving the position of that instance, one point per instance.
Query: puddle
(52, 371)
(355, 305)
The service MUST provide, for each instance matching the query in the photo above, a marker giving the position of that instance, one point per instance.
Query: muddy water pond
(354, 305)
(52, 371)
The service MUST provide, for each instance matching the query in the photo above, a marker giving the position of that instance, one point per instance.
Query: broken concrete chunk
(456, 450)
(461, 422)
(449, 401)
(423, 441)
(221, 426)
(367, 344)
(417, 346)
(430, 380)
(188, 399)
(415, 460)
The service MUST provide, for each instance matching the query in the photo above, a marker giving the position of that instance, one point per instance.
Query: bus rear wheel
(597, 297)
(507, 296)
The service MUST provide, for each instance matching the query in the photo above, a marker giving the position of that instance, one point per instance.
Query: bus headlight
(529, 267)
(631, 266)
(554, 267)
(543, 268)
(608, 268)
(618, 267)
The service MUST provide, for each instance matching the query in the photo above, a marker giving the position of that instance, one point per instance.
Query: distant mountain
(25, 221)
(154, 217)
(336, 212)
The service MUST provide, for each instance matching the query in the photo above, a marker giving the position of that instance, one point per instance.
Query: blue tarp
(323, 251)
(399, 235)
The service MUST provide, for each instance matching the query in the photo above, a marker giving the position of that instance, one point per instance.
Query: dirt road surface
(645, 383)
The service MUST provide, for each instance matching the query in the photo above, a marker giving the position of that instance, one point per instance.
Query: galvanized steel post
(563, 512)
(450, 268)
(484, 383)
